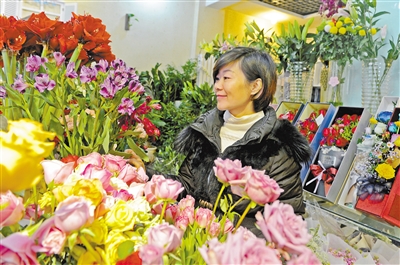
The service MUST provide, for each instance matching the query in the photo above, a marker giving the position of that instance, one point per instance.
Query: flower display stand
(289, 110)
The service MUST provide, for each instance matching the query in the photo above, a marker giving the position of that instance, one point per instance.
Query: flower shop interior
(72, 128)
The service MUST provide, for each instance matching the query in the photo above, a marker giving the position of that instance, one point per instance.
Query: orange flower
(41, 25)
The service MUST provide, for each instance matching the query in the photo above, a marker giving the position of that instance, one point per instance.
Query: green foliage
(295, 44)
(198, 99)
(167, 85)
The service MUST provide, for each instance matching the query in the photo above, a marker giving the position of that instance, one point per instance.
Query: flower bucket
(301, 81)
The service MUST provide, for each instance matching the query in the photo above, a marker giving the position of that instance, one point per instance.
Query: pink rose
(165, 236)
(113, 163)
(136, 189)
(227, 170)
(56, 170)
(49, 239)
(261, 188)
(171, 213)
(215, 229)
(130, 174)
(182, 222)
(16, 249)
(151, 254)
(73, 213)
(228, 227)
(162, 189)
(204, 217)
(239, 249)
(306, 257)
(188, 201)
(189, 213)
(32, 210)
(90, 171)
(280, 225)
(122, 194)
(12, 210)
(94, 159)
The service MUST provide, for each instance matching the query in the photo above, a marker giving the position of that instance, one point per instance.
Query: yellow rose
(92, 189)
(385, 171)
(21, 150)
(92, 257)
(362, 33)
(373, 31)
(342, 30)
(114, 239)
(333, 30)
(100, 231)
(120, 216)
(397, 142)
(372, 120)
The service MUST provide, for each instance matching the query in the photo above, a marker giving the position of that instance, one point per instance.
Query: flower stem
(164, 208)
(89, 248)
(219, 197)
(249, 206)
(236, 203)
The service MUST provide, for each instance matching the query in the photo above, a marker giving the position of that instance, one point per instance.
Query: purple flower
(34, 63)
(19, 84)
(135, 86)
(70, 70)
(3, 92)
(43, 82)
(60, 59)
(88, 74)
(108, 89)
(118, 63)
(126, 106)
(102, 66)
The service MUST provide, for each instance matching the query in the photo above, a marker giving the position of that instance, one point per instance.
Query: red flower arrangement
(340, 132)
(309, 126)
(288, 115)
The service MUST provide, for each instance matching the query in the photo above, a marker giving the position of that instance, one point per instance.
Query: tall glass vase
(301, 81)
(375, 80)
(336, 90)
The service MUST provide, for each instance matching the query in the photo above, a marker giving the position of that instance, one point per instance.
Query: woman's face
(233, 91)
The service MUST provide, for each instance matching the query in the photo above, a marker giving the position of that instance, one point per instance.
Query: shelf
(371, 224)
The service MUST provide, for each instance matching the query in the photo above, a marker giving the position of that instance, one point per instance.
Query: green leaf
(132, 145)
(125, 249)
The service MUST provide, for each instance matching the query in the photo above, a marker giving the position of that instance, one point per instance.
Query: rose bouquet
(64, 76)
(101, 210)
(309, 126)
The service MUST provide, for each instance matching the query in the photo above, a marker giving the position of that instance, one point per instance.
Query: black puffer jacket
(271, 144)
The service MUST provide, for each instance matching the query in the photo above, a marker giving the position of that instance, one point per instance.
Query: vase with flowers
(336, 41)
(376, 72)
(63, 75)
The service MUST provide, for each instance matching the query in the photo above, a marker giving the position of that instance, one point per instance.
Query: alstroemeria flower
(107, 88)
(126, 106)
(34, 62)
(135, 86)
(43, 82)
(3, 92)
(334, 81)
(70, 70)
(88, 74)
(59, 58)
(102, 66)
(19, 84)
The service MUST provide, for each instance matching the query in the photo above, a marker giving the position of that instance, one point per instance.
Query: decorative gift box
(289, 110)
(372, 207)
(391, 211)
(324, 113)
(329, 171)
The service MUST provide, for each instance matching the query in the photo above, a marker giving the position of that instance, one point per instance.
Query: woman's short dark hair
(255, 64)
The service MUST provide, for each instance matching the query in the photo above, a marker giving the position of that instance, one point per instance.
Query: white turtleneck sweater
(235, 128)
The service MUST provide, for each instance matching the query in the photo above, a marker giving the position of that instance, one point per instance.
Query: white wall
(167, 32)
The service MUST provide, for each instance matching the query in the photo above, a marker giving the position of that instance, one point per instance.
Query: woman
(243, 126)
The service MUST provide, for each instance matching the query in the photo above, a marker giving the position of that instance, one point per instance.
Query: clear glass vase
(301, 81)
(375, 80)
(342, 72)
